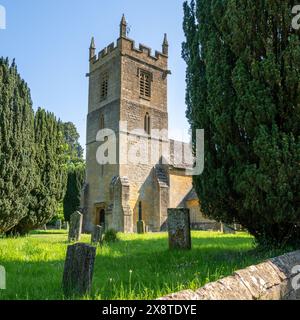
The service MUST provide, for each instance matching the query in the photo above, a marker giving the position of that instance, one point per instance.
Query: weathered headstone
(78, 270)
(141, 228)
(58, 224)
(75, 226)
(179, 228)
(97, 235)
(227, 229)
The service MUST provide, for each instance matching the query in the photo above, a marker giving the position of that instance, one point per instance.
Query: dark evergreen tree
(76, 170)
(51, 165)
(243, 88)
(75, 151)
(76, 178)
(16, 146)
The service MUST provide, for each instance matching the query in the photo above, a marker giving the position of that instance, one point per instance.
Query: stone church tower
(128, 98)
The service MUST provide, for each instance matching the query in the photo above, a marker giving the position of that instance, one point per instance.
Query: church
(128, 102)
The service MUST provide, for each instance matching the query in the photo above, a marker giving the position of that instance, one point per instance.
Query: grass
(136, 267)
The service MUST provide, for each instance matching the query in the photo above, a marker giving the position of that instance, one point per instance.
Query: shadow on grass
(155, 270)
(48, 232)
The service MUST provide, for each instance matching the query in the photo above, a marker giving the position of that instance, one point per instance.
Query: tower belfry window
(104, 86)
(145, 79)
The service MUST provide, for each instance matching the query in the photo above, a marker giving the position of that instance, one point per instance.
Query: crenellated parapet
(104, 53)
(109, 49)
(126, 46)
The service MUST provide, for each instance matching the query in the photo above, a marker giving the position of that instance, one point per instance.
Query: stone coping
(271, 280)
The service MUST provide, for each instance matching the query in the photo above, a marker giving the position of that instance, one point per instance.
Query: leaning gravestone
(97, 235)
(75, 226)
(78, 270)
(227, 229)
(179, 228)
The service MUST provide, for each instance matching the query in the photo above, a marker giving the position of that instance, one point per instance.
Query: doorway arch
(102, 218)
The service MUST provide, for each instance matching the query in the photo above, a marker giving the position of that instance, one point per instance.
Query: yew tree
(243, 88)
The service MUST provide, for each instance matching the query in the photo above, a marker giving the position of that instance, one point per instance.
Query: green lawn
(136, 267)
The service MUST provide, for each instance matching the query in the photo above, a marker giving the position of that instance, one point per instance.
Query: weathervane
(128, 29)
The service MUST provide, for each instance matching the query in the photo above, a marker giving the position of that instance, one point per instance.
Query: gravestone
(227, 229)
(97, 235)
(75, 226)
(78, 270)
(58, 224)
(141, 229)
(179, 228)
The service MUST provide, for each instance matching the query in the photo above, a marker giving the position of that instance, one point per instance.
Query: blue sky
(50, 41)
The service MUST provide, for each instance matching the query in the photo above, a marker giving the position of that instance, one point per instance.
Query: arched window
(102, 124)
(147, 123)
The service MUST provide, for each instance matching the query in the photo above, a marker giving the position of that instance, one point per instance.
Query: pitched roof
(192, 195)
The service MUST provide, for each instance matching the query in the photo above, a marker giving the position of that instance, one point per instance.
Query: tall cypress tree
(76, 170)
(16, 146)
(50, 161)
(76, 178)
(243, 67)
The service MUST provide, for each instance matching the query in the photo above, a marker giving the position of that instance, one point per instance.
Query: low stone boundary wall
(206, 226)
(274, 279)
